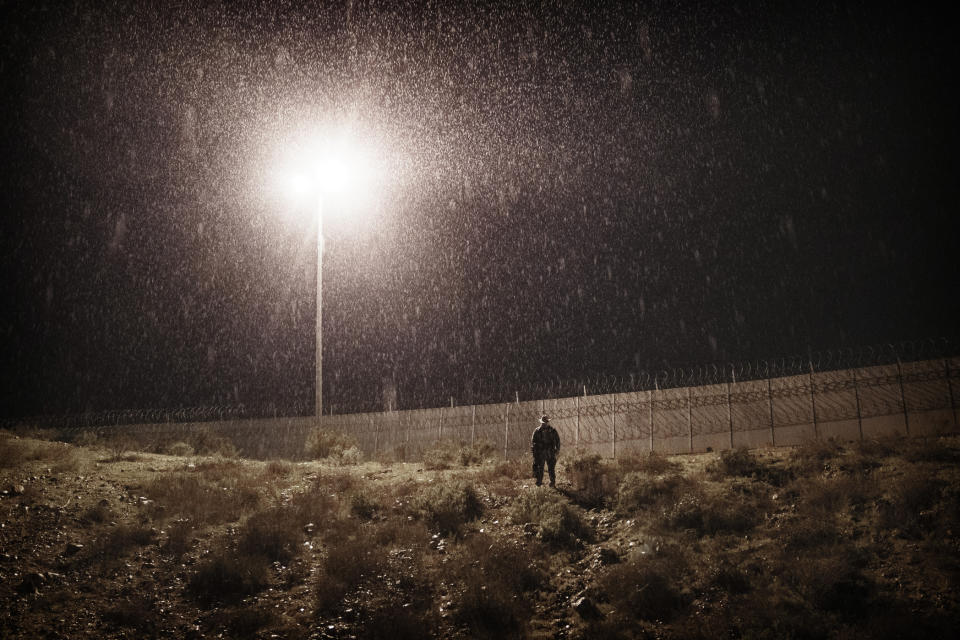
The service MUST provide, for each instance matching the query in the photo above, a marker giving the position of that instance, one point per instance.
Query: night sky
(568, 192)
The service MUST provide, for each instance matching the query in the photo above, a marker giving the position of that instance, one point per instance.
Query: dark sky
(572, 192)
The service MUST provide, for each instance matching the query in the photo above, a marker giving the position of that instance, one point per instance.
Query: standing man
(545, 445)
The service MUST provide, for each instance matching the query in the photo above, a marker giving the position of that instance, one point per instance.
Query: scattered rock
(607, 556)
(16, 489)
(31, 583)
(73, 549)
(585, 607)
(103, 503)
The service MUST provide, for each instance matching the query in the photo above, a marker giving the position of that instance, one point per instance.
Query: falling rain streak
(562, 193)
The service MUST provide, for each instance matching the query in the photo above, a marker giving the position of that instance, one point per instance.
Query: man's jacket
(545, 442)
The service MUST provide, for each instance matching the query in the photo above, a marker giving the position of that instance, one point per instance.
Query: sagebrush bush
(651, 462)
(493, 579)
(813, 456)
(324, 444)
(350, 561)
(442, 455)
(274, 533)
(639, 490)
(476, 453)
(709, 514)
(648, 587)
(181, 449)
(560, 522)
(595, 482)
(226, 576)
(363, 506)
(448, 506)
(211, 493)
(740, 462)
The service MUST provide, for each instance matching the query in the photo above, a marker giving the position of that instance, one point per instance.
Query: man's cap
(544, 418)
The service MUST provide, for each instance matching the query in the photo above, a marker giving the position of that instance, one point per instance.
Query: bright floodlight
(333, 165)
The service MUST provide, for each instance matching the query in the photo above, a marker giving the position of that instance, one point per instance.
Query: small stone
(586, 608)
(31, 583)
(17, 489)
(607, 556)
(73, 549)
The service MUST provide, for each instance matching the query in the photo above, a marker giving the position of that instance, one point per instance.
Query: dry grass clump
(225, 577)
(815, 456)
(651, 463)
(333, 446)
(15, 451)
(135, 611)
(649, 587)
(213, 492)
(492, 581)
(180, 449)
(107, 550)
(447, 507)
(639, 490)
(709, 513)
(351, 561)
(560, 523)
(594, 480)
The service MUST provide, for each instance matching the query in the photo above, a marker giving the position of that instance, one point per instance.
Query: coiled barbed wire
(694, 375)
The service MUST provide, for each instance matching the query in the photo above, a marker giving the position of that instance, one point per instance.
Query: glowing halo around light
(334, 165)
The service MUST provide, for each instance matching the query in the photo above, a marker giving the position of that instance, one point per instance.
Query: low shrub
(242, 622)
(476, 453)
(363, 506)
(709, 514)
(323, 444)
(228, 577)
(442, 455)
(560, 522)
(651, 463)
(274, 533)
(181, 449)
(87, 438)
(350, 561)
(212, 493)
(740, 462)
(813, 456)
(493, 578)
(595, 482)
(448, 506)
(639, 490)
(648, 587)
(134, 611)
(832, 580)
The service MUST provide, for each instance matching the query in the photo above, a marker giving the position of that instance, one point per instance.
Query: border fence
(908, 389)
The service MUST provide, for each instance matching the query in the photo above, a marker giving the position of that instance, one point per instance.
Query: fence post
(690, 415)
(650, 416)
(578, 422)
(856, 395)
(773, 433)
(440, 430)
(903, 397)
(953, 405)
(614, 427)
(376, 434)
(506, 430)
(473, 424)
(730, 414)
(813, 403)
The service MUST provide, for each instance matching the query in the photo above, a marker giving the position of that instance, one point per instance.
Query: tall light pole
(331, 167)
(319, 372)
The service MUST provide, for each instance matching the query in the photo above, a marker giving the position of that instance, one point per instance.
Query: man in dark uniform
(545, 445)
